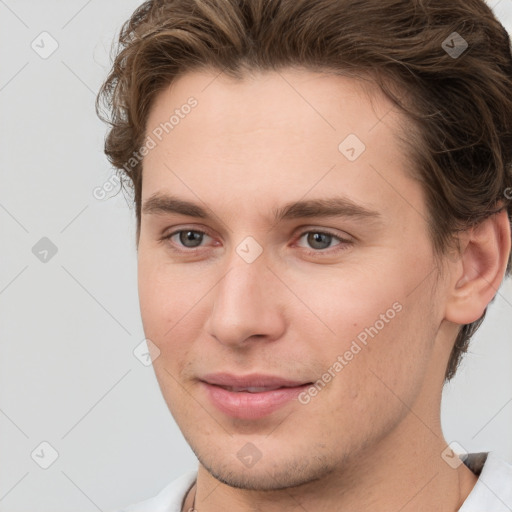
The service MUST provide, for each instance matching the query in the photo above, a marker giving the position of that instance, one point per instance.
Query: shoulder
(493, 489)
(169, 499)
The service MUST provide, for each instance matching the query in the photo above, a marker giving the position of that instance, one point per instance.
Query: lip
(247, 405)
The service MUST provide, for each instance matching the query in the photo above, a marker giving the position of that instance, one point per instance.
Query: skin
(372, 437)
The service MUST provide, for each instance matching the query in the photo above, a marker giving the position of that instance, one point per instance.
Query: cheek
(160, 304)
(164, 293)
(369, 372)
(349, 302)
(172, 306)
(376, 324)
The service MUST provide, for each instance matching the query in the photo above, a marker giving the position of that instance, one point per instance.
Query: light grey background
(68, 327)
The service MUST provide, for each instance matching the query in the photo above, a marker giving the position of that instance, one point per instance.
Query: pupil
(317, 237)
(190, 236)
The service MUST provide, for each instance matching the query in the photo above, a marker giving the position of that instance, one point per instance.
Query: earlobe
(478, 274)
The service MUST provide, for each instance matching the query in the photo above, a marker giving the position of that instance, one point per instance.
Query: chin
(275, 473)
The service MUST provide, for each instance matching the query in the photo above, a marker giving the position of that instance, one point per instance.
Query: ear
(478, 274)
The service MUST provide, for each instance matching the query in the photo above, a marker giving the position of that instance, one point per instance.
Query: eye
(321, 240)
(188, 238)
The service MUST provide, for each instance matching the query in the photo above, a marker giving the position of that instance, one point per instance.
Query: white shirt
(491, 493)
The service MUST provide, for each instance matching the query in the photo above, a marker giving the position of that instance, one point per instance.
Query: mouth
(250, 397)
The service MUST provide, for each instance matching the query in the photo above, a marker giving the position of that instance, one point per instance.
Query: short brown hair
(459, 106)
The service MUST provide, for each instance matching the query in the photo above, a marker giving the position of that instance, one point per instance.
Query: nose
(247, 305)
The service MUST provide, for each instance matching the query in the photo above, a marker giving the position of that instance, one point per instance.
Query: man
(323, 197)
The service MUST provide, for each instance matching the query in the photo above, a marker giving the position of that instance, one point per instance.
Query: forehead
(274, 136)
(265, 100)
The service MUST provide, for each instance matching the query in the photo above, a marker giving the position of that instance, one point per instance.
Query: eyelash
(311, 252)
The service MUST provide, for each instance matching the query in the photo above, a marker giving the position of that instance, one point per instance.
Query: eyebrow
(327, 207)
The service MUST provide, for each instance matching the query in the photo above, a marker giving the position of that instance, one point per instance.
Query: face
(335, 296)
